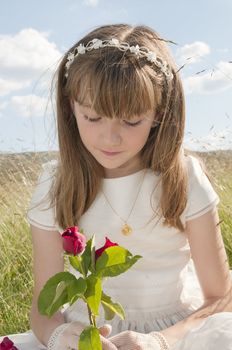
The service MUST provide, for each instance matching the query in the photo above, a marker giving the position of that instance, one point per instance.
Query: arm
(209, 256)
(47, 260)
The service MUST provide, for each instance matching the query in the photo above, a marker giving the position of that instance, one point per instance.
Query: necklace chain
(126, 229)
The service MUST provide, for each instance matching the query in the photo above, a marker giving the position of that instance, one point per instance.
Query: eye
(132, 123)
(92, 120)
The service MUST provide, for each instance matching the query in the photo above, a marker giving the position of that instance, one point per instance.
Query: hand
(66, 337)
(105, 332)
(130, 340)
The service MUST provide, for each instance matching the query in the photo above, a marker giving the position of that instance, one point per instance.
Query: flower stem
(92, 318)
(82, 267)
(94, 321)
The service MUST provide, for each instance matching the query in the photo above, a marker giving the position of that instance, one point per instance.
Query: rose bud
(108, 244)
(74, 242)
(7, 344)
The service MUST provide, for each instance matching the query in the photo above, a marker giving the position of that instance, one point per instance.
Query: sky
(35, 34)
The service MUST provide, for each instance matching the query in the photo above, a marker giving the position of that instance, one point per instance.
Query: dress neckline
(124, 178)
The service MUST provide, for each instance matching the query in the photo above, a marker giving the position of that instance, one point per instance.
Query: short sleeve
(40, 213)
(201, 195)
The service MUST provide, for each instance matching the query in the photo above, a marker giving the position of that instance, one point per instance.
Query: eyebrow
(84, 104)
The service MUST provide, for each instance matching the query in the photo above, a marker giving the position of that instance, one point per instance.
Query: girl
(122, 172)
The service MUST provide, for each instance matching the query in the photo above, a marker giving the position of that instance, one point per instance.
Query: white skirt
(214, 333)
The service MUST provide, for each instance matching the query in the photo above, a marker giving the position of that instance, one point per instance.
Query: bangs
(115, 87)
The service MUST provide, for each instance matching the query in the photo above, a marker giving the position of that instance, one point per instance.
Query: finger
(147, 346)
(105, 330)
(121, 339)
(106, 344)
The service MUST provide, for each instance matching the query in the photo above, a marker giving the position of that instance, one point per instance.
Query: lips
(110, 153)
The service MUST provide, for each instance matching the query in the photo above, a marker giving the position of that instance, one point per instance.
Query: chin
(111, 163)
(110, 166)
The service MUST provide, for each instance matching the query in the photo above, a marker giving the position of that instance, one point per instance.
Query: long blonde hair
(120, 85)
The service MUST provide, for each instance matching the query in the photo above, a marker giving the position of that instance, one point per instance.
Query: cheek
(87, 133)
(139, 138)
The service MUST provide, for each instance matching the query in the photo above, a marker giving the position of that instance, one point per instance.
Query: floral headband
(137, 50)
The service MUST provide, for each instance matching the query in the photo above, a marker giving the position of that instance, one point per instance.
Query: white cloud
(8, 86)
(27, 60)
(27, 51)
(91, 3)
(30, 106)
(3, 106)
(192, 53)
(28, 48)
(216, 80)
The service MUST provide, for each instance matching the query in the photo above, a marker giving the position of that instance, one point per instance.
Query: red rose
(74, 242)
(7, 344)
(108, 244)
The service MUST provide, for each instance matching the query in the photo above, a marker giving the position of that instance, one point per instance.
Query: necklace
(126, 229)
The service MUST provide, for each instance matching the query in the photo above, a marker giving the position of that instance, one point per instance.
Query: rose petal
(7, 344)
(74, 242)
(107, 244)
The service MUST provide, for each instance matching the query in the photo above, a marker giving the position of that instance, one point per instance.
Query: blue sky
(35, 34)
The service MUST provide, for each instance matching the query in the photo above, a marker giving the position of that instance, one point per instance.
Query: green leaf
(114, 261)
(88, 257)
(93, 293)
(90, 339)
(76, 262)
(76, 290)
(111, 308)
(55, 293)
(109, 314)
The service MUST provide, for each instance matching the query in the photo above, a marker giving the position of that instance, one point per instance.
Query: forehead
(106, 109)
(113, 91)
(84, 106)
(87, 107)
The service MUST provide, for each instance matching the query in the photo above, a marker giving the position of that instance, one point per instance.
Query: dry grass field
(18, 175)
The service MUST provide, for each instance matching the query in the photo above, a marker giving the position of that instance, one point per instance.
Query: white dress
(161, 288)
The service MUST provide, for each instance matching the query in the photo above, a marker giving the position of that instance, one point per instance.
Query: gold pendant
(126, 230)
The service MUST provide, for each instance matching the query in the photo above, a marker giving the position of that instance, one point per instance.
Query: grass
(18, 176)
(219, 166)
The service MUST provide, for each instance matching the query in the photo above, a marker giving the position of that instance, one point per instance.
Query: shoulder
(47, 176)
(41, 211)
(50, 167)
(45, 180)
(201, 196)
(193, 164)
(196, 172)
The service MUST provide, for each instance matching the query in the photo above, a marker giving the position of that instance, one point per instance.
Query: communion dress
(162, 287)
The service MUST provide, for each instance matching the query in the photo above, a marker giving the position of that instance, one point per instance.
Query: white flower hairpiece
(123, 46)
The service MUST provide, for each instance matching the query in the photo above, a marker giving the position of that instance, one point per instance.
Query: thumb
(105, 330)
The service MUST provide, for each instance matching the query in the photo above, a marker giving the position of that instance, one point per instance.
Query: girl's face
(115, 144)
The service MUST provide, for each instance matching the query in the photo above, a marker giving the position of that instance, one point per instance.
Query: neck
(129, 168)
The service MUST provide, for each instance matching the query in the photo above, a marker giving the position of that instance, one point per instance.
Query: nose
(111, 133)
